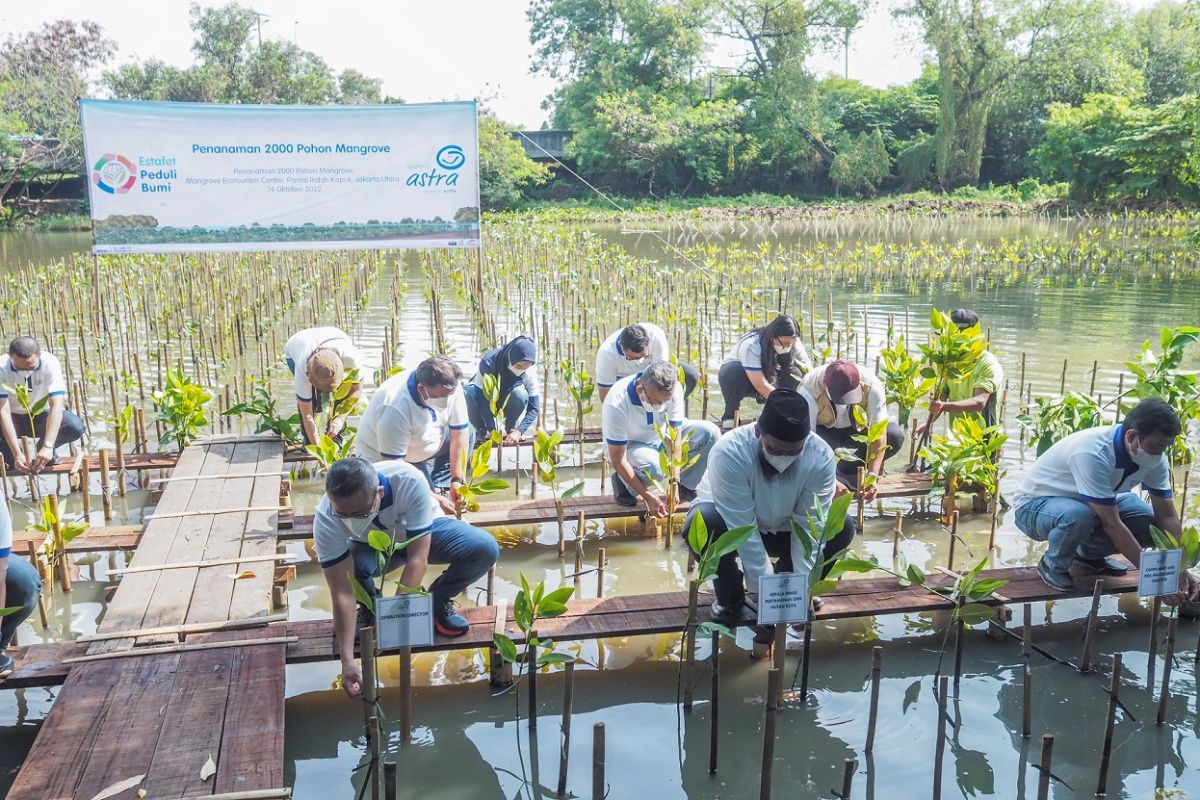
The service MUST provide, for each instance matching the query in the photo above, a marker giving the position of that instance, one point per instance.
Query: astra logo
(450, 157)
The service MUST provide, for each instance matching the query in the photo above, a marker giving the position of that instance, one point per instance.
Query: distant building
(544, 145)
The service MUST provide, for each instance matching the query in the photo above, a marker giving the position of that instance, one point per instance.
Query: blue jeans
(21, 588)
(469, 551)
(699, 435)
(436, 468)
(514, 405)
(1073, 530)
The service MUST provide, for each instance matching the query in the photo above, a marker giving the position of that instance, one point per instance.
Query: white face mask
(1143, 459)
(438, 403)
(655, 408)
(358, 526)
(780, 463)
(782, 349)
(515, 370)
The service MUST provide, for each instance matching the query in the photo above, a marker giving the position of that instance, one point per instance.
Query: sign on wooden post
(405, 620)
(1159, 573)
(783, 598)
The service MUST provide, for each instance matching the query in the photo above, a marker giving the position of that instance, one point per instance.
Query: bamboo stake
(600, 562)
(598, 792)
(406, 687)
(370, 699)
(105, 490)
(1027, 674)
(60, 547)
(389, 780)
(940, 751)
(876, 675)
(1085, 660)
(565, 744)
(85, 486)
(1155, 613)
(1044, 771)
(1165, 697)
(774, 688)
(851, 764)
(953, 538)
(33, 559)
(897, 531)
(713, 727)
(531, 665)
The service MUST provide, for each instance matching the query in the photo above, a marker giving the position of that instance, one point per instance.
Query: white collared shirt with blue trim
(407, 509)
(6, 534)
(44, 380)
(302, 344)
(612, 365)
(1092, 466)
(624, 418)
(397, 425)
(748, 353)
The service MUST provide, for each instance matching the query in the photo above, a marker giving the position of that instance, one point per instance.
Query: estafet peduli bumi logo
(114, 174)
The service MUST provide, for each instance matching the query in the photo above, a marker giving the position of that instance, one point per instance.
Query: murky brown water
(467, 743)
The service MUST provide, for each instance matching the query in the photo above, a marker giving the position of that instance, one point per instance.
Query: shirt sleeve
(1091, 478)
(56, 384)
(614, 424)
(329, 535)
(394, 433)
(533, 386)
(304, 389)
(1157, 480)
(729, 477)
(660, 348)
(876, 403)
(675, 406)
(606, 371)
(458, 410)
(6, 532)
(749, 353)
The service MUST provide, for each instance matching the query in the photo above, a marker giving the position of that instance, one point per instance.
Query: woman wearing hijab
(520, 391)
(765, 359)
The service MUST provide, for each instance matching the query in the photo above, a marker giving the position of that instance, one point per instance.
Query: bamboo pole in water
(1165, 697)
(1044, 770)
(565, 742)
(940, 749)
(774, 685)
(370, 700)
(598, 792)
(1085, 659)
(876, 675)
(1027, 674)
(713, 727)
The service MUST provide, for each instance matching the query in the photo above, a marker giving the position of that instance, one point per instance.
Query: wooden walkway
(164, 715)
(609, 617)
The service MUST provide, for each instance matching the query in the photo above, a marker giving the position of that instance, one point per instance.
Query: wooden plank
(251, 755)
(252, 596)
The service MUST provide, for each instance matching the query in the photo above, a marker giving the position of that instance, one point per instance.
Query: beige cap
(325, 369)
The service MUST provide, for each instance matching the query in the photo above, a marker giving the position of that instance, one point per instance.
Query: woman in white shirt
(765, 359)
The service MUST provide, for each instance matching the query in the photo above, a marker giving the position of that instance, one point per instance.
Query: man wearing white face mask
(769, 475)
(633, 412)
(54, 426)
(421, 417)
(1077, 497)
(392, 497)
(629, 350)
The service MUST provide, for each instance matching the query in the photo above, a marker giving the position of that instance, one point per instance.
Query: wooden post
(689, 650)
(406, 721)
(848, 778)
(953, 539)
(876, 675)
(60, 547)
(105, 489)
(600, 562)
(1165, 697)
(940, 751)
(897, 532)
(1106, 751)
(30, 454)
(860, 511)
(959, 636)
(598, 761)
(389, 780)
(531, 666)
(1044, 772)
(1027, 673)
(774, 687)
(1155, 613)
(1085, 660)
(565, 742)
(85, 486)
(779, 651)
(370, 701)
(1092, 386)
(1062, 384)
(995, 520)
(33, 560)
(716, 683)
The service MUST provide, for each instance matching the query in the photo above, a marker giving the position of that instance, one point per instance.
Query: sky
(429, 50)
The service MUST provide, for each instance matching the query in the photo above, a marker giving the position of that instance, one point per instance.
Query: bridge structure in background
(544, 145)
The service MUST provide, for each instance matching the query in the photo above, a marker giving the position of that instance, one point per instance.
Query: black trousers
(729, 583)
(736, 387)
(838, 438)
(71, 430)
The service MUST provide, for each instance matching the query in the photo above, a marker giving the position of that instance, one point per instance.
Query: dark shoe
(817, 603)
(1059, 581)
(365, 619)
(1104, 566)
(734, 612)
(686, 495)
(621, 493)
(447, 621)
(6, 664)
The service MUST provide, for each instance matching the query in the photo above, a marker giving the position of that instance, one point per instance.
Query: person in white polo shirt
(392, 497)
(55, 426)
(20, 586)
(319, 359)
(630, 420)
(769, 474)
(763, 360)
(1078, 497)
(421, 417)
(627, 351)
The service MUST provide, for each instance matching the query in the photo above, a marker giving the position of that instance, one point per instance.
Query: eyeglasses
(360, 515)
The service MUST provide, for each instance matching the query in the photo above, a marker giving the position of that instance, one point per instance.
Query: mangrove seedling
(964, 458)
(1159, 375)
(823, 527)
(673, 458)
(950, 356)
(903, 381)
(385, 547)
(1188, 544)
(328, 450)
(529, 607)
(180, 406)
(268, 420)
(868, 435)
(1055, 418)
(21, 393)
(581, 387)
(545, 461)
(967, 593)
(491, 391)
(51, 550)
(474, 483)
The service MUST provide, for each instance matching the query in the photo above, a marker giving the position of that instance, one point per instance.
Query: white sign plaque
(783, 598)
(1159, 573)
(405, 620)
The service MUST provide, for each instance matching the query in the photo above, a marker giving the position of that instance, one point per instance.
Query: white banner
(185, 177)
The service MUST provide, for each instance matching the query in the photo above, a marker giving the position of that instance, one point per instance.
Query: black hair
(662, 375)
(24, 347)
(350, 476)
(1152, 416)
(774, 365)
(635, 338)
(438, 371)
(964, 318)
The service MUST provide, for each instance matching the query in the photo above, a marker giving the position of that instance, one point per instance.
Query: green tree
(504, 168)
(1164, 45)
